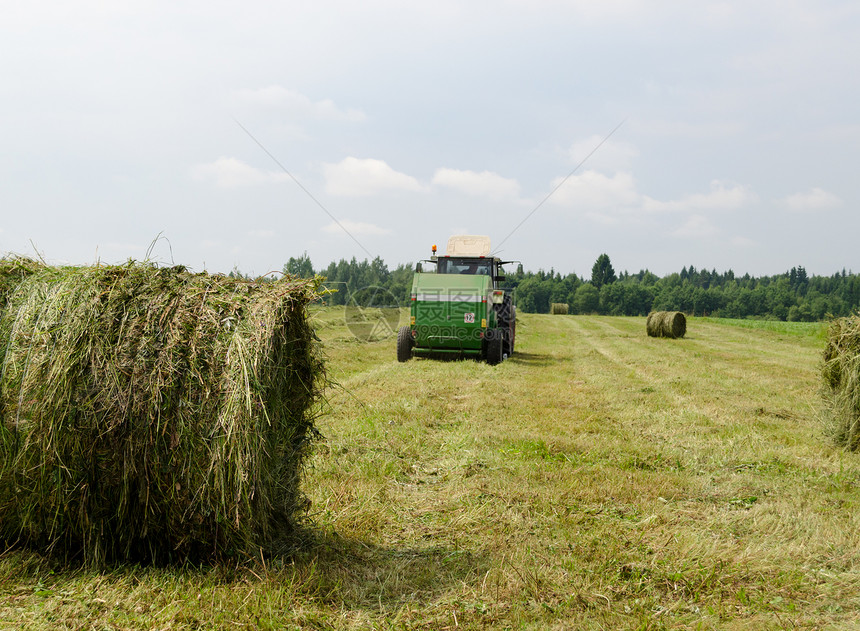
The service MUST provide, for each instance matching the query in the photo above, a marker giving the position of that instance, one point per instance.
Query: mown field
(599, 479)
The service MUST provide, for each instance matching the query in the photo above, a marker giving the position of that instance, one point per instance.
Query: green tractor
(459, 308)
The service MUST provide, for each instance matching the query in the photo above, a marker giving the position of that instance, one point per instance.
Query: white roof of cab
(468, 245)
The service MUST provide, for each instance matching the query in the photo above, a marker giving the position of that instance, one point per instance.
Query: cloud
(696, 226)
(608, 10)
(261, 234)
(613, 201)
(355, 228)
(611, 156)
(720, 197)
(743, 242)
(484, 184)
(354, 177)
(593, 190)
(298, 105)
(689, 131)
(816, 199)
(233, 173)
(604, 218)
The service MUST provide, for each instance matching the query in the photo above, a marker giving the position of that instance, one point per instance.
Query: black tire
(495, 346)
(404, 344)
(508, 322)
(511, 333)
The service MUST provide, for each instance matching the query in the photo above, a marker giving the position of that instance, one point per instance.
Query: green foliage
(602, 272)
(347, 278)
(301, 267)
(587, 299)
(792, 296)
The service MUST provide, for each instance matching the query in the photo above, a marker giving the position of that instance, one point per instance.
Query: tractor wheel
(508, 323)
(495, 346)
(511, 334)
(404, 344)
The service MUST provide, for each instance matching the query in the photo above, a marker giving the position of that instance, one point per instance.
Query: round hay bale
(152, 414)
(13, 270)
(671, 324)
(841, 381)
(558, 308)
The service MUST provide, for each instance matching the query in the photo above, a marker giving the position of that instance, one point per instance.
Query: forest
(793, 295)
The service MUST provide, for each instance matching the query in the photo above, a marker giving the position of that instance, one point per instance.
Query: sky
(221, 135)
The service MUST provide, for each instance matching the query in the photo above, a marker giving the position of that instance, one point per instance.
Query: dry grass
(841, 375)
(599, 479)
(150, 413)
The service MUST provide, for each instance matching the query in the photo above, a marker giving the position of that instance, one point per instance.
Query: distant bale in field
(841, 376)
(558, 308)
(151, 414)
(666, 324)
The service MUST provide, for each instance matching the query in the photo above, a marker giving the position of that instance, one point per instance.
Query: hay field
(600, 479)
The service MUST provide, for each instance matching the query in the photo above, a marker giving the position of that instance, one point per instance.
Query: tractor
(459, 308)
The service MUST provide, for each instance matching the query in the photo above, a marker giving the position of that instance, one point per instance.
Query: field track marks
(614, 344)
(717, 362)
(730, 353)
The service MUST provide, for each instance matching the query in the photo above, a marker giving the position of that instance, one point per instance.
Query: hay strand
(672, 324)
(14, 270)
(841, 381)
(152, 414)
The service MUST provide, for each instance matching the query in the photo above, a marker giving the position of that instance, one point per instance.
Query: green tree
(586, 299)
(533, 294)
(792, 295)
(301, 266)
(602, 272)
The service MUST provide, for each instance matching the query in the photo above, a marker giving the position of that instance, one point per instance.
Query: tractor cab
(469, 255)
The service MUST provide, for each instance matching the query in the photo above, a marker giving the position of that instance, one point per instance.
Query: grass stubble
(599, 479)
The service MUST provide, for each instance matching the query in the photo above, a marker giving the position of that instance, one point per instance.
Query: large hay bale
(558, 308)
(12, 271)
(153, 414)
(841, 377)
(666, 324)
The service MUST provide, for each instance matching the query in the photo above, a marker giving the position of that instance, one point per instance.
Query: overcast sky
(240, 132)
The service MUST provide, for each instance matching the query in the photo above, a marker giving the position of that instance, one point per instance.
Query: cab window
(464, 266)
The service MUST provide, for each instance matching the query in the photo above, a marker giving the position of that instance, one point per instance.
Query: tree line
(792, 295)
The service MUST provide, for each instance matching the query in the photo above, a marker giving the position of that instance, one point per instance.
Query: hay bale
(666, 324)
(153, 414)
(841, 381)
(14, 270)
(558, 308)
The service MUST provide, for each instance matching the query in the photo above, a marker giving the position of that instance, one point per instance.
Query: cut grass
(841, 377)
(152, 414)
(597, 479)
(814, 329)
